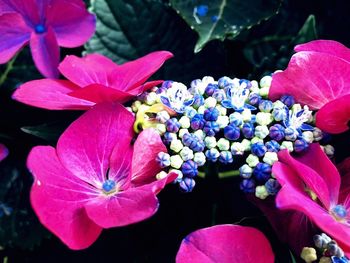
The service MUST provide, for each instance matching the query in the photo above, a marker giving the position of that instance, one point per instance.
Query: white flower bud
(210, 142)
(264, 92)
(270, 158)
(264, 118)
(176, 161)
(246, 144)
(318, 134)
(255, 85)
(190, 112)
(261, 131)
(180, 174)
(236, 117)
(245, 171)
(185, 122)
(135, 105)
(161, 175)
(261, 192)
(151, 98)
(222, 110)
(308, 136)
(256, 139)
(223, 144)
(162, 116)
(265, 82)
(296, 108)
(176, 146)
(237, 148)
(186, 154)
(201, 109)
(252, 160)
(308, 254)
(199, 158)
(182, 132)
(329, 150)
(246, 115)
(223, 121)
(287, 145)
(200, 134)
(278, 104)
(210, 102)
(161, 128)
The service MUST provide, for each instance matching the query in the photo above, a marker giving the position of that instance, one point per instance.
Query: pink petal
(72, 23)
(225, 244)
(12, 38)
(292, 198)
(86, 146)
(124, 208)
(344, 196)
(50, 94)
(330, 47)
(57, 197)
(4, 7)
(3, 152)
(303, 174)
(334, 116)
(133, 74)
(90, 69)
(46, 53)
(313, 78)
(146, 149)
(317, 160)
(31, 10)
(98, 93)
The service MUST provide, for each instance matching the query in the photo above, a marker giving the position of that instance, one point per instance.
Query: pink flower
(95, 178)
(225, 244)
(311, 185)
(92, 79)
(46, 25)
(318, 75)
(3, 152)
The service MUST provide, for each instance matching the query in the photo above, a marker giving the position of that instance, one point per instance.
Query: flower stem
(8, 69)
(229, 174)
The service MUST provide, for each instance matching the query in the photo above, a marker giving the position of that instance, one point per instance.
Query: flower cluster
(225, 121)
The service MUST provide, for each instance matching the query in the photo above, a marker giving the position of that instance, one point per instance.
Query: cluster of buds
(225, 121)
(328, 251)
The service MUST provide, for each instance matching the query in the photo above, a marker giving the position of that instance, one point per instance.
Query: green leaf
(47, 131)
(224, 18)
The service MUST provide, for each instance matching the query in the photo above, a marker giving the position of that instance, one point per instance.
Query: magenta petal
(133, 74)
(98, 93)
(3, 152)
(344, 196)
(31, 10)
(57, 198)
(50, 94)
(144, 87)
(334, 116)
(46, 53)
(72, 23)
(313, 78)
(124, 208)
(87, 144)
(330, 47)
(225, 244)
(90, 69)
(12, 38)
(146, 149)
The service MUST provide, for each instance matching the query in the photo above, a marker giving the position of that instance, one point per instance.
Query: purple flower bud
(247, 186)
(262, 172)
(198, 147)
(254, 98)
(198, 101)
(300, 145)
(187, 184)
(189, 168)
(211, 128)
(167, 138)
(219, 95)
(272, 146)
(288, 100)
(224, 81)
(232, 132)
(258, 149)
(211, 114)
(246, 82)
(248, 130)
(265, 105)
(272, 186)
(197, 122)
(277, 132)
(225, 157)
(209, 90)
(189, 140)
(173, 125)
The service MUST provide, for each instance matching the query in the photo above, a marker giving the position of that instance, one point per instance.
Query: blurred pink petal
(225, 244)
(50, 94)
(3, 152)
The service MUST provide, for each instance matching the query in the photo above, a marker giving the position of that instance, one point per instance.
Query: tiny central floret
(339, 211)
(40, 28)
(109, 186)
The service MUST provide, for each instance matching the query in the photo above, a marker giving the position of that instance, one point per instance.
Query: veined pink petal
(124, 208)
(313, 181)
(57, 197)
(72, 23)
(330, 47)
(4, 7)
(334, 116)
(98, 93)
(146, 149)
(3, 152)
(316, 159)
(291, 198)
(46, 53)
(144, 87)
(12, 38)
(133, 74)
(50, 94)
(87, 144)
(90, 69)
(313, 78)
(31, 10)
(225, 244)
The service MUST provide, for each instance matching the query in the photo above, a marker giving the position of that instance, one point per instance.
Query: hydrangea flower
(177, 97)
(312, 185)
(95, 178)
(225, 244)
(3, 152)
(236, 98)
(46, 25)
(318, 76)
(92, 79)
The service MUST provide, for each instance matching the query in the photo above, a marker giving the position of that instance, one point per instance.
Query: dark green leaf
(223, 18)
(47, 131)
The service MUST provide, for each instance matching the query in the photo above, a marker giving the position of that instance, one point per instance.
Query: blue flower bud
(168, 137)
(189, 140)
(236, 118)
(272, 186)
(209, 90)
(167, 84)
(254, 98)
(219, 95)
(262, 172)
(288, 100)
(248, 130)
(300, 145)
(163, 159)
(279, 114)
(277, 132)
(211, 128)
(173, 125)
(211, 114)
(247, 186)
(272, 146)
(190, 112)
(189, 169)
(197, 122)
(291, 134)
(212, 155)
(245, 82)
(245, 171)
(265, 105)
(199, 146)
(198, 101)
(258, 149)
(187, 184)
(225, 157)
(232, 132)
(224, 81)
